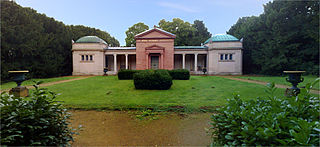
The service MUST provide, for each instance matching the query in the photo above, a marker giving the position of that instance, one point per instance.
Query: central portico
(155, 50)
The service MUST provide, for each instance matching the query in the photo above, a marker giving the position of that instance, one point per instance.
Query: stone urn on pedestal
(19, 77)
(294, 78)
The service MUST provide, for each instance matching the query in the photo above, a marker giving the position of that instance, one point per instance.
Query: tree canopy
(79, 31)
(35, 42)
(284, 37)
(134, 30)
(186, 33)
(202, 34)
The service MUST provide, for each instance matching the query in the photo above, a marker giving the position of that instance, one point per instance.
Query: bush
(152, 79)
(125, 74)
(179, 74)
(37, 120)
(273, 121)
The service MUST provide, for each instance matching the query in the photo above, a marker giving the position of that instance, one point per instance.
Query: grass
(9, 85)
(107, 92)
(282, 80)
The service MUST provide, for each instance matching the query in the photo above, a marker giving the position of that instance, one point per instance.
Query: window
(226, 57)
(86, 57)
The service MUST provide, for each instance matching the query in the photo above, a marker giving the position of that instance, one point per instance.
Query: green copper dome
(90, 39)
(221, 38)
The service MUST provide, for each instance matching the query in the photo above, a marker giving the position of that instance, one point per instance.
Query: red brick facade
(155, 43)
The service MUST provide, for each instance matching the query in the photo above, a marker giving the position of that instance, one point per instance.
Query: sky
(116, 16)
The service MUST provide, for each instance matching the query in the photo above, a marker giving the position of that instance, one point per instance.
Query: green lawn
(9, 85)
(108, 92)
(282, 80)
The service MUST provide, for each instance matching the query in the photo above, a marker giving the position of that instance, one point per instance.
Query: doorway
(154, 62)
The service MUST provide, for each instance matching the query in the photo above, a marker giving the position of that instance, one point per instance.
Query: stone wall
(225, 67)
(88, 67)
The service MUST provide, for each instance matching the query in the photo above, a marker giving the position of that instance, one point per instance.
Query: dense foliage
(37, 120)
(125, 74)
(273, 121)
(186, 33)
(133, 31)
(179, 74)
(35, 42)
(176, 74)
(152, 79)
(284, 37)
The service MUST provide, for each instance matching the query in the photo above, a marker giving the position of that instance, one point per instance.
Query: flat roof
(175, 47)
(190, 47)
(121, 48)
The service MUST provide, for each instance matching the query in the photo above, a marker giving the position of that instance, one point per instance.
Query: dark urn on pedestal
(105, 70)
(19, 77)
(294, 78)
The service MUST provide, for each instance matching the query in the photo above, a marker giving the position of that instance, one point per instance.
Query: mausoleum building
(219, 55)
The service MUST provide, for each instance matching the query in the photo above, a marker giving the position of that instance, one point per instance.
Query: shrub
(269, 122)
(125, 74)
(152, 79)
(180, 74)
(37, 120)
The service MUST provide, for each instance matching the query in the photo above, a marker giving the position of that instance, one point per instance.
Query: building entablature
(224, 45)
(89, 46)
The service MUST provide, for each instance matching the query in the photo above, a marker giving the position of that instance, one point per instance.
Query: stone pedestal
(19, 91)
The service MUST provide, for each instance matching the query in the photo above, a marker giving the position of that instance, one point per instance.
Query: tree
(201, 34)
(79, 31)
(184, 31)
(134, 30)
(35, 42)
(284, 37)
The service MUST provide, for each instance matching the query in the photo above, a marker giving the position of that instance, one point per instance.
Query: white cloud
(175, 6)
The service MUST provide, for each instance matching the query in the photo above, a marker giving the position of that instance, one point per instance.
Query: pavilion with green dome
(219, 55)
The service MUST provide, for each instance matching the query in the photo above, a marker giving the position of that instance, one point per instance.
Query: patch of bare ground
(121, 128)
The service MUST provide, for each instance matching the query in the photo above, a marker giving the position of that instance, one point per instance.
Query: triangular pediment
(155, 33)
(155, 47)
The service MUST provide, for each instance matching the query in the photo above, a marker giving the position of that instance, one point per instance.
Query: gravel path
(263, 83)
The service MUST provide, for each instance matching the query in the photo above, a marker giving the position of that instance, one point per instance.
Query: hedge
(179, 74)
(176, 74)
(152, 79)
(269, 121)
(125, 74)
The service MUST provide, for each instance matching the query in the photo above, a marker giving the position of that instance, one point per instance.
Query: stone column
(183, 61)
(195, 61)
(207, 62)
(126, 61)
(115, 62)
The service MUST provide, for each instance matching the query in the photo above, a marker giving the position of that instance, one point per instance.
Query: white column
(195, 61)
(126, 61)
(115, 62)
(183, 61)
(207, 60)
